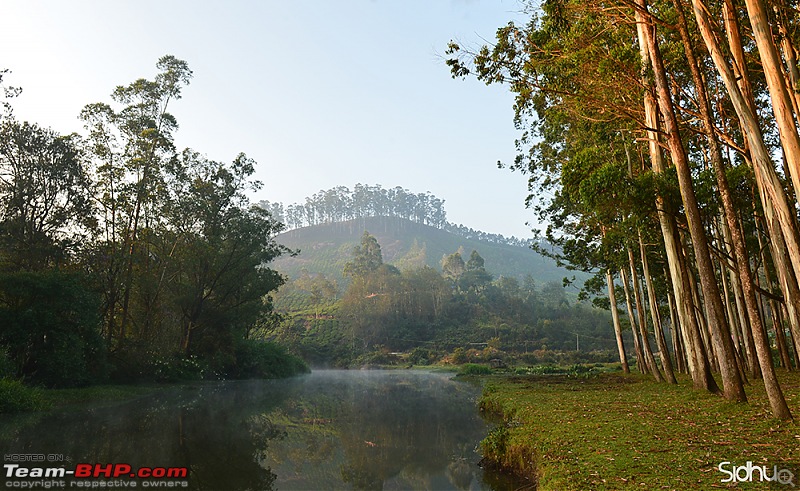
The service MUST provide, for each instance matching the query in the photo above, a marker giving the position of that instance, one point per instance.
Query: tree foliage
(634, 116)
(115, 246)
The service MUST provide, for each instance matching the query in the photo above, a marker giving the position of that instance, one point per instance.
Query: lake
(331, 429)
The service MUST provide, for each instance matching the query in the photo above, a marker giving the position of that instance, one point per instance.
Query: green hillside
(326, 248)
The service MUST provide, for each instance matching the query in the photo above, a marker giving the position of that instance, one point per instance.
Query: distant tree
(475, 277)
(453, 266)
(367, 257)
(475, 262)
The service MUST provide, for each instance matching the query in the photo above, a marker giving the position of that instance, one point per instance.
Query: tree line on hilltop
(363, 201)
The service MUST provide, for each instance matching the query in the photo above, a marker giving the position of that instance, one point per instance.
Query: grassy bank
(628, 432)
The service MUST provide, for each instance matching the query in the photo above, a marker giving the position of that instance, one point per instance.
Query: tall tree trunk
(782, 105)
(658, 329)
(792, 73)
(641, 361)
(640, 313)
(677, 344)
(612, 298)
(733, 387)
(697, 363)
(780, 335)
(770, 188)
(693, 340)
(742, 305)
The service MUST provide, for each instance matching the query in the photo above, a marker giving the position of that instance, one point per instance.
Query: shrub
(176, 368)
(16, 397)
(422, 356)
(50, 328)
(475, 369)
(257, 359)
(459, 356)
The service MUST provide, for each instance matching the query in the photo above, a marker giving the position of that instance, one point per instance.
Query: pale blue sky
(319, 93)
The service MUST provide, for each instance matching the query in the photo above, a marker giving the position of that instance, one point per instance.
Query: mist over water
(331, 429)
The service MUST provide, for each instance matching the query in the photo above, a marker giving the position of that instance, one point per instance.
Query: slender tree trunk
(612, 298)
(733, 387)
(701, 312)
(677, 344)
(693, 340)
(780, 335)
(781, 101)
(770, 188)
(641, 362)
(792, 73)
(793, 344)
(741, 308)
(658, 328)
(697, 364)
(640, 313)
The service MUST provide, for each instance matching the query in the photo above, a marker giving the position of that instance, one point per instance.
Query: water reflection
(326, 430)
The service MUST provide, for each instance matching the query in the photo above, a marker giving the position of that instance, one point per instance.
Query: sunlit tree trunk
(695, 358)
(658, 331)
(770, 188)
(792, 73)
(782, 105)
(642, 363)
(612, 298)
(733, 387)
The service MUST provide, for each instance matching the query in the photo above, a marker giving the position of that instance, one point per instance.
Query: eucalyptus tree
(545, 64)
(731, 227)
(453, 266)
(130, 145)
(720, 331)
(367, 257)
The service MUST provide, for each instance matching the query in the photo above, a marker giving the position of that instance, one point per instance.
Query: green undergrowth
(614, 431)
(98, 393)
(16, 397)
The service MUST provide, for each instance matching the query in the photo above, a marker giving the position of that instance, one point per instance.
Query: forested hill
(325, 249)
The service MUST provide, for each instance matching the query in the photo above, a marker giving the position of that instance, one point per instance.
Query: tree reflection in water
(325, 430)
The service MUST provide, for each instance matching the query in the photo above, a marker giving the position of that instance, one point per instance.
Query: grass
(97, 393)
(16, 397)
(613, 431)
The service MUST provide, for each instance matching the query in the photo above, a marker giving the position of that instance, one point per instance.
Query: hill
(405, 244)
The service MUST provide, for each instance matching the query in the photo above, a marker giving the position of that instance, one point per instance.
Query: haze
(321, 94)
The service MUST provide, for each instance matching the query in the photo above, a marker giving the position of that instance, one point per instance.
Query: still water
(326, 430)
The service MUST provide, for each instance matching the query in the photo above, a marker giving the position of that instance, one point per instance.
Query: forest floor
(616, 431)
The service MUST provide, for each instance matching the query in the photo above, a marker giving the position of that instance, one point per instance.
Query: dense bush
(474, 369)
(50, 328)
(15, 397)
(258, 359)
(422, 356)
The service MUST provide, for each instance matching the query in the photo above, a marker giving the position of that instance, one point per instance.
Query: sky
(319, 93)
